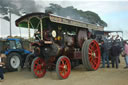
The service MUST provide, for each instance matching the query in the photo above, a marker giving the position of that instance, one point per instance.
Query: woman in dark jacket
(115, 52)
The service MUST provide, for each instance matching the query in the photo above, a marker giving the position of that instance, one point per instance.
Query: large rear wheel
(91, 55)
(38, 67)
(63, 67)
(13, 61)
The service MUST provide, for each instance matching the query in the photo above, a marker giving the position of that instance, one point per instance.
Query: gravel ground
(78, 76)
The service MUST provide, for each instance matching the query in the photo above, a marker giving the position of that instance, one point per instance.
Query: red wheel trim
(39, 67)
(64, 68)
(94, 55)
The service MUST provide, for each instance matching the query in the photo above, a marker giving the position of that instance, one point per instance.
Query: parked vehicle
(61, 44)
(16, 54)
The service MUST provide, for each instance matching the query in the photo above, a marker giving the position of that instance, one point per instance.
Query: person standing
(115, 52)
(126, 54)
(1, 67)
(104, 54)
(106, 48)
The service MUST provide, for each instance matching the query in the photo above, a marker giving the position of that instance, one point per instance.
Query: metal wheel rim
(15, 61)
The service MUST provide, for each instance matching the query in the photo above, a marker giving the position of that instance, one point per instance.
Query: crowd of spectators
(111, 48)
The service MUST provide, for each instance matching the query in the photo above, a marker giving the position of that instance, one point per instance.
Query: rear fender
(11, 51)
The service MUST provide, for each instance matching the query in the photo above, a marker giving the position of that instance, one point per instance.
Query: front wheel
(38, 67)
(63, 67)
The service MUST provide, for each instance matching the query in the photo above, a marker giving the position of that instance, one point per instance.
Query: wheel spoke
(94, 62)
(61, 67)
(90, 59)
(61, 72)
(62, 62)
(90, 49)
(95, 50)
(36, 69)
(64, 71)
(90, 54)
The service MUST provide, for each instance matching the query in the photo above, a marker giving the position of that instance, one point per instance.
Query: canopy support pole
(41, 25)
(29, 36)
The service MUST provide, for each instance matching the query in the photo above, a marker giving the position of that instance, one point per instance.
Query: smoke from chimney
(28, 6)
(15, 6)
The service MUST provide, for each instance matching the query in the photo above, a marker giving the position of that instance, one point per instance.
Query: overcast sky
(113, 12)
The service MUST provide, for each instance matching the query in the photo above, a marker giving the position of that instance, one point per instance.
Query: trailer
(61, 44)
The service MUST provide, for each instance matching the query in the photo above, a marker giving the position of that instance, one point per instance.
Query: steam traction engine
(61, 44)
